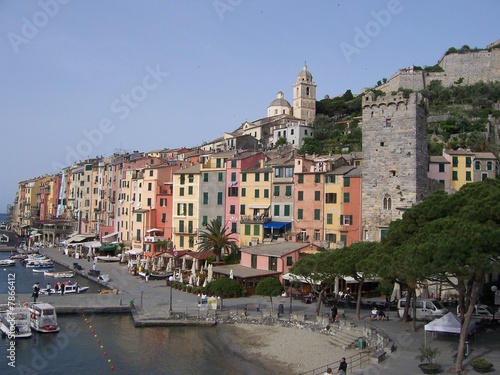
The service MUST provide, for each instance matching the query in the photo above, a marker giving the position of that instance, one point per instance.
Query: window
(256, 193)
(345, 219)
(276, 192)
(256, 230)
(454, 176)
(347, 181)
(190, 209)
(234, 227)
(219, 219)
(243, 177)
(331, 197)
(300, 179)
(163, 202)
(219, 197)
(182, 179)
(190, 190)
(300, 214)
(180, 209)
(232, 191)
(387, 203)
(218, 163)
(454, 161)
(383, 232)
(317, 235)
(347, 197)
(242, 209)
(253, 261)
(233, 176)
(266, 176)
(232, 209)
(220, 176)
(276, 210)
(317, 178)
(243, 192)
(205, 198)
(317, 195)
(247, 229)
(266, 193)
(330, 178)
(163, 218)
(287, 210)
(233, 165)
(204, 220)
(300, 195)
(468, 176)
(138, 235)
(289, 261)
(181, 241)
(468, 162)
(489, 165)
(288, 191)
(149, 202)
(150, 173)
(139, 218)
(329, 218)
(190, 226)
(441, 167)
(317, 214)
(150, 186)
(484, 176)
(191, 241)
(388, 122)
(273, 264)
(181, 192)
(257, 177)
(343, 239)
(205, 177)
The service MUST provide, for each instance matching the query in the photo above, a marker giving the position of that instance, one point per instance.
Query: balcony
(185, 230)
(153, 238)
(257, 219)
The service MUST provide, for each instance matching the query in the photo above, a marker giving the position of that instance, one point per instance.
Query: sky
(80, 79)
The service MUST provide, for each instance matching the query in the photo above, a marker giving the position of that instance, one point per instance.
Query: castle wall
(395, 159)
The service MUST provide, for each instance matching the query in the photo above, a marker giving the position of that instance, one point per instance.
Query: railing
(153, 238)
(185, 230)
(354, 362)
(254, 219)
(378, 339)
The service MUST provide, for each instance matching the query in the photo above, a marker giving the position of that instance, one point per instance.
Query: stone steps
(345, 338)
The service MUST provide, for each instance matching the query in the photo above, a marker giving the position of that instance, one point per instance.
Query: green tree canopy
(269, 287)
(224, 287)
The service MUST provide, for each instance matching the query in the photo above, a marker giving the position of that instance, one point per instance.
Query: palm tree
(216, 238)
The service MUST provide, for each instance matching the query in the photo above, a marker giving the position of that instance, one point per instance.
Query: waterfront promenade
(152, 301)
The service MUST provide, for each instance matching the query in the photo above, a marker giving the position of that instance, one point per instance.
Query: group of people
(377, 314)
(342, 368)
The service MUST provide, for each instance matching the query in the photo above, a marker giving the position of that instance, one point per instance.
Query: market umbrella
(198, 280)
(193, 269)
(169, 265)
(231, 275)
(210, 273)
(183, 263)
(190, 281)
(205, 283)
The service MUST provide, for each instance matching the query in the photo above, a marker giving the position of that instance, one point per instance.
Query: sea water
(92, 344)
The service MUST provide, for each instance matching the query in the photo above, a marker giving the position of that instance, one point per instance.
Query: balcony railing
(186, 230)
(254, 219)
(153, 238)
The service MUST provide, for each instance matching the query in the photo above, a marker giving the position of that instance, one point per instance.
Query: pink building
(439, 170)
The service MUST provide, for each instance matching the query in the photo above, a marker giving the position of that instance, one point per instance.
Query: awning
(110, 235)
(352, 280)
(154, 230)
(259, 206)
(134, 252)
(292, 277)
(91, 244)
(278, 225)
(108, 248)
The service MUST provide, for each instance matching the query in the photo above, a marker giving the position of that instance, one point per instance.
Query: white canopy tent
(449, 323)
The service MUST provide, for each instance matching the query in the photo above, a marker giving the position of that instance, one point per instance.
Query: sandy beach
(282, 349)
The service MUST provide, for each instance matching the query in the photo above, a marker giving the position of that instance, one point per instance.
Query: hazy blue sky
(86, 78)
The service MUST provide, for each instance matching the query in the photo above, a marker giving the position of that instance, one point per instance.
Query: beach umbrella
(193, 268)
(198, 280)
(180, 276)
(170, 265)
(205, 283)
(231, 275)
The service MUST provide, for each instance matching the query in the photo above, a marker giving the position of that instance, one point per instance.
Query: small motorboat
(68, 289)
(103, 278)
(43, 270)
(59, 275)
(18, 256)
(7, 262)
(15, 322)
(43, 318)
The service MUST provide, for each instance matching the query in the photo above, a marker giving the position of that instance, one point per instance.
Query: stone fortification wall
(471, 67)
(394, 158)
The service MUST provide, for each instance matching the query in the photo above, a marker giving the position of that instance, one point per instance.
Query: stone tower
(395, 159)
(304, 96)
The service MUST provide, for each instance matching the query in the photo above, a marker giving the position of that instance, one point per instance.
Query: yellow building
(461, 167)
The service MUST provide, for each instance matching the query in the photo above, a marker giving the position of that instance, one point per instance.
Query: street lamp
(494, 290)
(171, 279)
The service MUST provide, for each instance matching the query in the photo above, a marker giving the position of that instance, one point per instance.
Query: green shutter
(276, 210)
(247, 229)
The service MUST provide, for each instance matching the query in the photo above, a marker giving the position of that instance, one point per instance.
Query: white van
(427, 308)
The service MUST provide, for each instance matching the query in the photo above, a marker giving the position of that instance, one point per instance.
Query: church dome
(305, 75)
(280, 101)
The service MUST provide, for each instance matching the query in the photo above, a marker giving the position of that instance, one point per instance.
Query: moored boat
(103, 278)
(59, 274)
(15, 322)
(43, 269)
(43, 318)
(108, 258)
(68, 289)
(7, 262)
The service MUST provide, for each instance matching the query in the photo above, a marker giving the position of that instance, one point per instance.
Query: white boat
(68, 289)
(15, 322)
(7, 262)
(43, 318)
(103, 278)
(108, 258)
(59, 274)
(38, 264)
(43, 269)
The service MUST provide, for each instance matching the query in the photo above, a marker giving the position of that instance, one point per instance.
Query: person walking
(343, 367)
(335, 313)
(36, 290)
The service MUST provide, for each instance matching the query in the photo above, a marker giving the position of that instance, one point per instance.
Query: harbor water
(109, 343)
